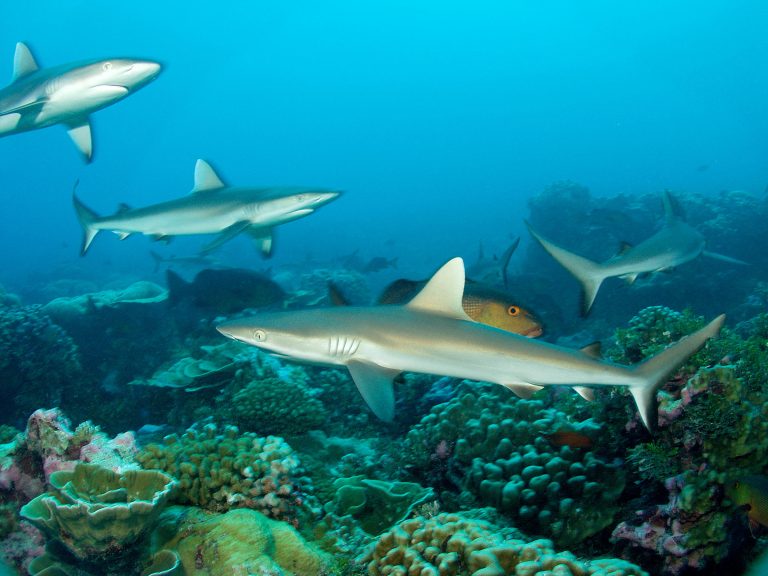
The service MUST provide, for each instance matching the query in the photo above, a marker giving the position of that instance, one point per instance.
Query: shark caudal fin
(87, 218)
(589, 274)
(655, 371)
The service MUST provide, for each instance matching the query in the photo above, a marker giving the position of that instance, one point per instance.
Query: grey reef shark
(68, 94)
(674, 244)
(211, 208)
(432, 334)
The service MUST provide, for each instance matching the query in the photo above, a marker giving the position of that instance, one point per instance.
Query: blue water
(438, 119)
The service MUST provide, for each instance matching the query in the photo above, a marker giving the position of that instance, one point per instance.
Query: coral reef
(218, 471)
(276, 406)
(39, 362)
(102, 518)
(454, 545)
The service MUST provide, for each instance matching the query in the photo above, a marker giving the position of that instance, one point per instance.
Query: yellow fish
(751, 494)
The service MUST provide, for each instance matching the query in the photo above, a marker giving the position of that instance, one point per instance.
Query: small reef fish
(433, 334)
(224, 291)
(751, 494)
(211, 208)
(482, 303)
(674, 244)
(68, 94)
(569, 438)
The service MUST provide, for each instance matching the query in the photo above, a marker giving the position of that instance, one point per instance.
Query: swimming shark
(432, 334)
(68, 94)
(212, 207)
(675, 243)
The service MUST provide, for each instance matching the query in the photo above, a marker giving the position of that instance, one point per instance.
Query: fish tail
(589, 274)
(178, 288)
(653, 373)
(87, 218)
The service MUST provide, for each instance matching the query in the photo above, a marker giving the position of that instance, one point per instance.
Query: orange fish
(569, 438)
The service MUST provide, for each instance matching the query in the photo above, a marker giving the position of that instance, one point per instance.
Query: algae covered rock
(100, 516)
(237, 542)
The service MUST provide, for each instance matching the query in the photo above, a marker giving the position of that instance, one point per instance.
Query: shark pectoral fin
(9, 122)
(587, 393)
(264, 239)
(226, 235)
(522, 389)
(376, 387)
(724, 258)
(443, 293)
(206, 177)
(81, 136)
(23, 61)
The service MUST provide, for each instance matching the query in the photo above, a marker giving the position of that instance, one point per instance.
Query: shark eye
(259, 335)
(106, 66)
(513, 310)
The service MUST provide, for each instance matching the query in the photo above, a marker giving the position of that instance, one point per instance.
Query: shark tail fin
(87, 218)
(653, 373)
(178, 288)
(589, 274)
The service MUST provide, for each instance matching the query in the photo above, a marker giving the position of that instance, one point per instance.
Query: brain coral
(222, 471)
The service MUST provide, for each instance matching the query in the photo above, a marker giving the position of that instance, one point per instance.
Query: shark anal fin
(376, 387)
(81, 136)
(206, 177)
(522, 389)
(587, 393)
(122, 235)
(23, 61)
(444, 292)
(630, 278)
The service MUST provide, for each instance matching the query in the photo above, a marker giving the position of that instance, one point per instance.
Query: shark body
(674, 244)
(68, 94)
(432, 334)
(211, 208)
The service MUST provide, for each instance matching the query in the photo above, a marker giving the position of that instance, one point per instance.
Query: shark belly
(169, 223)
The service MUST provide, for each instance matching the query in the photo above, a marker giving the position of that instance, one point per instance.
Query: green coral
(99, 516)
(455, 545)
(273, 406)
(232, 470)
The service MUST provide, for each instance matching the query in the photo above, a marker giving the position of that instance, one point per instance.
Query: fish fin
(157, 258)
(624, 247)
(82, 137)
(23, 62)
(587, 393)
(206, 177)
(630, 278)
(226, 235)
(724, 258)
(264, 239)
(87, 219)
(522, 389)
(672, 209)
(123, 207)
(505, 258)
(121, 235)
(376, 387)
(336, 296)
(593, 350)
(653, 373)
(443, 292)
(589, 274)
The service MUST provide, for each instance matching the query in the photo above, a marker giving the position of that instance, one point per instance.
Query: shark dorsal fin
(444, 292)
(123, 207)
(624, 247)
(23, 61)
(593, 350)
(206, 177)
(672, 208)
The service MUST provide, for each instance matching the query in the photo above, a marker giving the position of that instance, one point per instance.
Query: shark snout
(137, 73)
